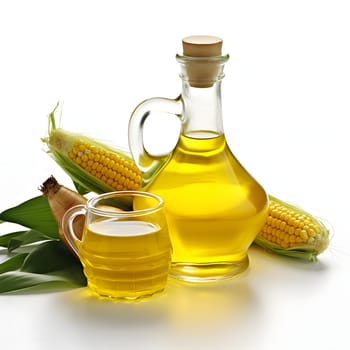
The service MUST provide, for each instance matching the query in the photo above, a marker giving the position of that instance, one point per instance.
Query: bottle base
(123, 295)
(207, 273)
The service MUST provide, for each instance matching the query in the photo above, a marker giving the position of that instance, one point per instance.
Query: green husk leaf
(82, 190)
(13, 263)
(19, 281)
(6, 238)
(49, 256)
(298, 253)
(34, 213)
(17, 239)
(48, 265)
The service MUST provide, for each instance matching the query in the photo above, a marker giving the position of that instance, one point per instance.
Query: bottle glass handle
(67, 226)
(146, 162)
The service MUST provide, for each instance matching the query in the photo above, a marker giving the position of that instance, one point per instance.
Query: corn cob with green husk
(293, 232)
(95, 167)
(92, 165)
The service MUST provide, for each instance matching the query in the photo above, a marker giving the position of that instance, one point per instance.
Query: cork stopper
(202, 72)
(202, 46)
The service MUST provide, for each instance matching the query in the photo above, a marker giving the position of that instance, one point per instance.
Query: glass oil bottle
(215, 208)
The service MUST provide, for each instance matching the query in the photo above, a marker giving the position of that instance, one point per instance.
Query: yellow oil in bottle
(214, 208)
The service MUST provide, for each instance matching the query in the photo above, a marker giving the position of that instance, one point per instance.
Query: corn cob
(293, 232)
(92, 165)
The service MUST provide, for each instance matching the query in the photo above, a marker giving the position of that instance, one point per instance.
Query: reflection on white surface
(242, 312)
(194, 311)
(181, 305)
(254, 312)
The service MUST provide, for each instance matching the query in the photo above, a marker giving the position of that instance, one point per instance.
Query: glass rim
(124, 213)
(218, 59)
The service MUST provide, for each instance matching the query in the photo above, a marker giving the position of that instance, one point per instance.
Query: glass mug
(126, 254)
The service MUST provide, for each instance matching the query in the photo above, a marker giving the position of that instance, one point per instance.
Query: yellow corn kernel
(291, 231)
(110, 169)
(287, 225)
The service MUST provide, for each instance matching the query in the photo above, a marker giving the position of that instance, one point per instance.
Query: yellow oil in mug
(214, 208)
(125, 259)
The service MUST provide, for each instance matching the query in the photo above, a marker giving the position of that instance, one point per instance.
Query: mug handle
(67, 226)
(146, 162)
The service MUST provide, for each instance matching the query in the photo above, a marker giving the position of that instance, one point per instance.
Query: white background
(286, 110)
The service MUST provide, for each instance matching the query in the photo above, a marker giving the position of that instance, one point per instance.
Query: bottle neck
(201, 95)
(202, 112)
